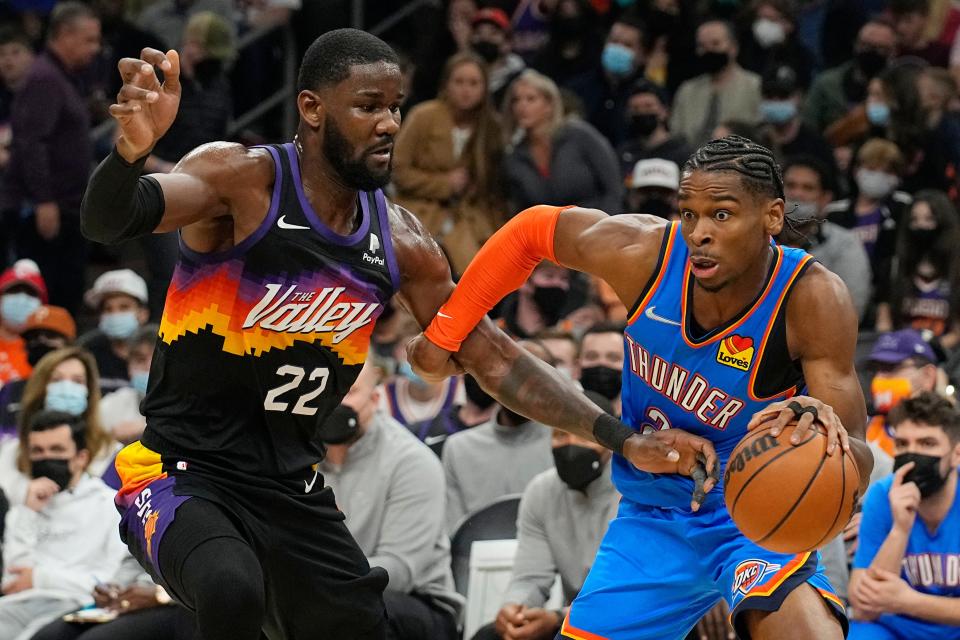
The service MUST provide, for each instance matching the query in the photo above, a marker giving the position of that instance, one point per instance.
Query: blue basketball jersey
(705, 385)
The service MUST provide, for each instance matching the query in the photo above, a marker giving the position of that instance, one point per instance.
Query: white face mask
(768, 32)
(875, 184)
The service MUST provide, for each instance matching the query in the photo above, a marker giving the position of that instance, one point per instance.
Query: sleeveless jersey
(706, 385)
(260, 342)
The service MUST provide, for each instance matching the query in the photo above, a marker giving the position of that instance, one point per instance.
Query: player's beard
(355, 173)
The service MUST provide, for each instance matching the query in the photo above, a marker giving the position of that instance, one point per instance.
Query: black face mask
(475, 392)
(923, 239)
(36, 349)
(712, 61)
(207, 70)
(577, 466)
(602, 380)
(511, 418)
(641, 125)
(549, 301)
(487, 50)
(57, 469)
(340, 426)
(656, 207)
(871, 62)
(925, 473)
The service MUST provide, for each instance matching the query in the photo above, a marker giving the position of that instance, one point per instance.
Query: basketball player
(288, 254)
(722, 323)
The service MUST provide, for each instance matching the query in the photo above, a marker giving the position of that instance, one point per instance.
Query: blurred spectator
(477, 407)
(52, 151)
(563, 515)
(780, 111)
(723, 90)
(575, 43)
(601, 363)
(648, 112)
(16, 58)
(748, 130)
(910, 20)
(490, 39)
(836, 90)
(62, 536)
(904, 579)
(391, 489)
(539, 303)
(167, 19)
(564, 349)
(447, 162)
(925, 292)
(22, 291)
(494, 459)
(807, 186)
(555, 161)
(768, 41)
(120, 300)
(653, 188)
(606, 89)
(531, 25)
(938, 94)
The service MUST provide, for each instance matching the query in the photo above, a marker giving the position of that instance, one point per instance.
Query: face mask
(120, 325)
(802, 210)
(36, 350)
(549, 301)
(768, 32)
(602, 380)
(641, 125)
(15, 308)
(139, 381)
(923, 238)
(57, 469)
(888, 392)
(577, 466)
(875, 184)
(340, 426)
(925, 473)
(617, 60)
(407, 372)
(67, 396)
(778, 111)
(475, 392)
(713, 61)
(487, 50)
(871, 62)
(878, 114)
(656, 207)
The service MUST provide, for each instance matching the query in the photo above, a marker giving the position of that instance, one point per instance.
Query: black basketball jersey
(260, 342)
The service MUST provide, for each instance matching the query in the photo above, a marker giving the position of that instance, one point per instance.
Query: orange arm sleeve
(504, 263)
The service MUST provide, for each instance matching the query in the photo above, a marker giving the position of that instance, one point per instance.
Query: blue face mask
(617, 60)
(119, 325)
(139, 381)
(878, 114)
(407, 372)
(67, 396)
(15, 308)
(778, 111)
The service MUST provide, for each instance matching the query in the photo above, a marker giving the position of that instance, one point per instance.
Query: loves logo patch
(749, 573)
(736, 351)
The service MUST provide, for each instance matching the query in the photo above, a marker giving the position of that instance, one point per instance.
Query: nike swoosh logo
(443, 315)
(430, 440)
(653, 316)
(283, 224)
(308, 486)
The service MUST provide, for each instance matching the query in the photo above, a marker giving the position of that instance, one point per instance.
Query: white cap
(124, 281)
(656, 172)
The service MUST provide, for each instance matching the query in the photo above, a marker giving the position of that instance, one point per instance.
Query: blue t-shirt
(931, 563)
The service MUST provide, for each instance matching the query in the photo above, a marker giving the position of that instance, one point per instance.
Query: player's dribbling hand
(781, 415)
(145, 109)
(676, 451)
(904, 500)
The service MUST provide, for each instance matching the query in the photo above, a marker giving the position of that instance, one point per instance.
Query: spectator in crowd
(490, 39)
(64, 534)
(121, 39)
(601, 362)
(494, 459)
(120, 299)
(783, 128)
(16, 58)
(539, 303)
(47, 329)
(938, 95)
(836, 90)
(64, 380)
(563, 515)
(910, 20)
(654, 185)
(807, 184)
(167, 19)
(904, 578)
(446, 30)
(390, 486)
(531, 25)
(477, 407)
(769, 40)
(555, 161)
(575, 44)
(647, 136)
(447, 158)
(723, 90)
(925, 292)
(563, 348)
(606, 89)
(52, 151)
(22, 291)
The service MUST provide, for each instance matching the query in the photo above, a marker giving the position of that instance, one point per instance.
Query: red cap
(24, 272)
(496, 17)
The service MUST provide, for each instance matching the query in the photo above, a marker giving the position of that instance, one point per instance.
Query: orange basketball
(790, 498)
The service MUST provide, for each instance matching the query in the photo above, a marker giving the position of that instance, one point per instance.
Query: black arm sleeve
(119, 203)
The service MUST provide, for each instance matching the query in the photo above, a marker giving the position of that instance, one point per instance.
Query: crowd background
(509, 103)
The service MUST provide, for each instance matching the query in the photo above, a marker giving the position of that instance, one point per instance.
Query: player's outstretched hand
(145, 109)
(429, 361)
(807, 410)
(676, 451)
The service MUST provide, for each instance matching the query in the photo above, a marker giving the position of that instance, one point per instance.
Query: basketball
(790, 498)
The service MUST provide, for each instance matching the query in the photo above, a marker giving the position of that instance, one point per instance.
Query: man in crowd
(780, 112)
(539, 304)
(477, 407)
(647, 136)
(601, 362)
(490, 39)
(22, 291)
(653, 188)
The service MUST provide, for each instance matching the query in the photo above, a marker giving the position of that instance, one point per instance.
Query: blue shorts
(658, 571)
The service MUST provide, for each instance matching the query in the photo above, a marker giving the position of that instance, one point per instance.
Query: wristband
(611, 433)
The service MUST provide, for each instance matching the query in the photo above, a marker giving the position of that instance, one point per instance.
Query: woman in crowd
(446, 162)
(555, 160)
(768, 39)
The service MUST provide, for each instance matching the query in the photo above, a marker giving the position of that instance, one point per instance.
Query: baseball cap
(51, 318)
(779, 82)
(496, 17)
(213, 33)
(897, 346)
(656, 172)
(24, 272)
(120, 281)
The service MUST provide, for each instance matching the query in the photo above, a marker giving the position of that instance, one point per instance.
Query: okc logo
(748, 574)
(736, 351)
